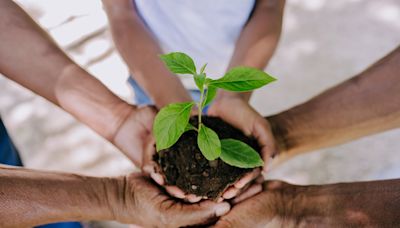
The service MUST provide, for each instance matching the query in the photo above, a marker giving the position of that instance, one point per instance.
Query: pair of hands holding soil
(135, 138)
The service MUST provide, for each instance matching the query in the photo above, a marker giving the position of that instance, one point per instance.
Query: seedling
(173, 120)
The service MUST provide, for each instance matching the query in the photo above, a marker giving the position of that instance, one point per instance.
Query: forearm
(31, 58)
(370, 204)
(259, 39)
(141, 53)
(31, 198)
(366, 104)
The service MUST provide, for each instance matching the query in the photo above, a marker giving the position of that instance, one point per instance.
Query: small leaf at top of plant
(170, 123)
(211, 93)
(203, 68)
(199, 79)
(179, 63)
(239, 154)
(208, 143)
(241, 79)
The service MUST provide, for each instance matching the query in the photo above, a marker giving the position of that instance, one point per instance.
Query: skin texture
(365, 104)
(47, 71)
(363, 204)
(32, 198)
(254, 48)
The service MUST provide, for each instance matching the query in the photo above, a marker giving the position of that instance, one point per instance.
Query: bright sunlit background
(323, 43)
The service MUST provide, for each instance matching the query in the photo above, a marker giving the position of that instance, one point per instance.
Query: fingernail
(230, 194)
(193, 198)
(222, 208)
(175, 192)
(157, 178)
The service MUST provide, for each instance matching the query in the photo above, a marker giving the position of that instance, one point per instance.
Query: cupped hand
(237, 112)
(134, 136)
(143, 203)
(270, 208)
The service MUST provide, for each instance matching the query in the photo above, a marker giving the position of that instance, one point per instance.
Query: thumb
(202, 213)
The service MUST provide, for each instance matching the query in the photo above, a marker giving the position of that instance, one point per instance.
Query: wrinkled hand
(140, 202)
(269, 208)
(240, 114)
(358, 204)
(134, 136)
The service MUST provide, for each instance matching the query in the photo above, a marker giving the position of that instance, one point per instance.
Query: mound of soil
(185, 166)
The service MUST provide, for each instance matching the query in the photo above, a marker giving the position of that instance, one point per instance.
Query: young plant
(173, 120)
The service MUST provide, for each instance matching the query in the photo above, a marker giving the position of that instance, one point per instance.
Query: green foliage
(241, 79)
(208, 143)
(170, 123)
(179, 63)
(173, 120)
(239, 154)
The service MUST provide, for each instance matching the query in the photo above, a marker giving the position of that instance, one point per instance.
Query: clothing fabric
(8, 152)
(206, 30)
(9, 156)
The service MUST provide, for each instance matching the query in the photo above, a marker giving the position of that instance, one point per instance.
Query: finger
(158, 178)
(230, 193)
(260, 180)
(175, 192)
(253, 190)
(149, 151)
(266, 140)
(247, 178)
(201, 213)
(192, 198)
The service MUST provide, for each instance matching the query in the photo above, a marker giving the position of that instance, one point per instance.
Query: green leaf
(179, 63)
(170, 123)
(239, 154)
(211, 93)
(203, 68)
(241, 79)
(208, 143)
(199, 79)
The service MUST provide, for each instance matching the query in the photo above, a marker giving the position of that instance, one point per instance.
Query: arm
(258, 40)
(366, 104)
(141, 53)
(31, 198)
(255, 47)
(31, 58)
(359, 204)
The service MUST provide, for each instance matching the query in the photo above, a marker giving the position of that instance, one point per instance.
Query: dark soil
(184, 165)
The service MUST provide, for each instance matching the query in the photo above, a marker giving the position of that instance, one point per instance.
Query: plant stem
(201, 105)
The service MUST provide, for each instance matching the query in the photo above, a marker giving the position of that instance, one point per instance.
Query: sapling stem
(200, 104)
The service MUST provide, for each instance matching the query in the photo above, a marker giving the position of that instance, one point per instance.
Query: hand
(362, 204)
(266, 209)
(134, 136)
(236, 111)
(139, 201)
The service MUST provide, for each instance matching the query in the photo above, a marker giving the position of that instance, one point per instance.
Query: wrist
(119, 195)
(288, 129)
(88, 100)
(115, 205)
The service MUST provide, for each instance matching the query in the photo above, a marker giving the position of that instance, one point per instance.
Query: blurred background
(323, 43)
